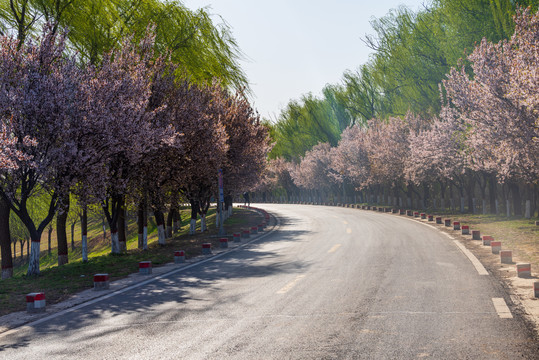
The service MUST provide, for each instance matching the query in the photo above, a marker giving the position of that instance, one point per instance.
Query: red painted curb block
(506, 256)
(101, 281)
(447, 222)
(145, 267)
(487, 239)
(430, 217)
(524, 270)
(254, 230)
(438, 219)
(245, 234)
(35, 302)
(237, 237)
(476, 235)
(179, 256)
(465, 230)
(223, 242)
(423, 216)
(260, 227)
(496, 246)
(206, 248)
(456, 225)
(536, 289)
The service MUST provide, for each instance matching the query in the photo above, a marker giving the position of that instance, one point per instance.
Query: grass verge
(59, 283)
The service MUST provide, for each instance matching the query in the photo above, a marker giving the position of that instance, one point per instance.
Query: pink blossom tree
(499, 104)
(39, 93)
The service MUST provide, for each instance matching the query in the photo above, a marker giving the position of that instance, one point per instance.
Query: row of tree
(412, 53)
(486, 133)
(133, 128)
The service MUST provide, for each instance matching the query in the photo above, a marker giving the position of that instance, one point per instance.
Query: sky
(295, 47)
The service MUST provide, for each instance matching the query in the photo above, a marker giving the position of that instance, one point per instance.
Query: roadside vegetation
(60, 282)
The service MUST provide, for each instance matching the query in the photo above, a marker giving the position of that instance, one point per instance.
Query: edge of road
(517, 289)
(11, 322)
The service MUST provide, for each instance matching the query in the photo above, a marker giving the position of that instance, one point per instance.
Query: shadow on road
(195, 290)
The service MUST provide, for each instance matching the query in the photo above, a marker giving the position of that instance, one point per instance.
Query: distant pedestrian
(246, 198)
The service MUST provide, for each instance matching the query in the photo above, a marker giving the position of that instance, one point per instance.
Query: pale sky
(294, 47)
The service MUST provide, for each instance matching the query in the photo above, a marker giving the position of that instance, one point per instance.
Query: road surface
(329, 283)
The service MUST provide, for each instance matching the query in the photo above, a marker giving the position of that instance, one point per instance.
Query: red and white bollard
(496, 246)
(456, 225)
(465, 230)
(423, 216)
(145, 267)
(101, 282)
(254, 229)
(506, 256)
(35, 302)
(476, 235)
(179, 256)
(223, 243)
(206, 249)
(416, 214)
(524, 270)
(536, 289)
(447, 222)
(245, 234)
(438, 219)
(237, 237)
(487, 239)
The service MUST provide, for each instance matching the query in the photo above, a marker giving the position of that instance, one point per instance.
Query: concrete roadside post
(524, 270)
(145, 267)
(35, 302)
(223, 242)
(506, 256)
(465, 230)
(487, 239)
(179, 257)
(496, 246)
(206, 249)
(101, 282)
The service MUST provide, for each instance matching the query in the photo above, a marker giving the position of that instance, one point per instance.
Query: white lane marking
(348, 230)
(290, 285)
(501, 308)
(476, 263)
(333, 249)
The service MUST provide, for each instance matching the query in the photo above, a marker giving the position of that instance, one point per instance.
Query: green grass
(58, 283)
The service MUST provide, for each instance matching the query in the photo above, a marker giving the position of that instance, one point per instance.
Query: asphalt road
(330, 283)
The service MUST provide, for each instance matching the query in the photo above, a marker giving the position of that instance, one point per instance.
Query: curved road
(329, 283)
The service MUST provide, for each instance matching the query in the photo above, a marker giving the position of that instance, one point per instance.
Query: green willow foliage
(203, 50)
(412, 53)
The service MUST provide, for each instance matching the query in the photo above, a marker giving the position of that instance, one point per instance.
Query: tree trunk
(517, 202)
(160, 221)
(50, 239)
(84, 233)
(61, 230)
(492, 194)
(177, 221)
(140, 225)
(170, 221)
(73, 235)
(194, 215)
(122, 229)
(5, 240)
